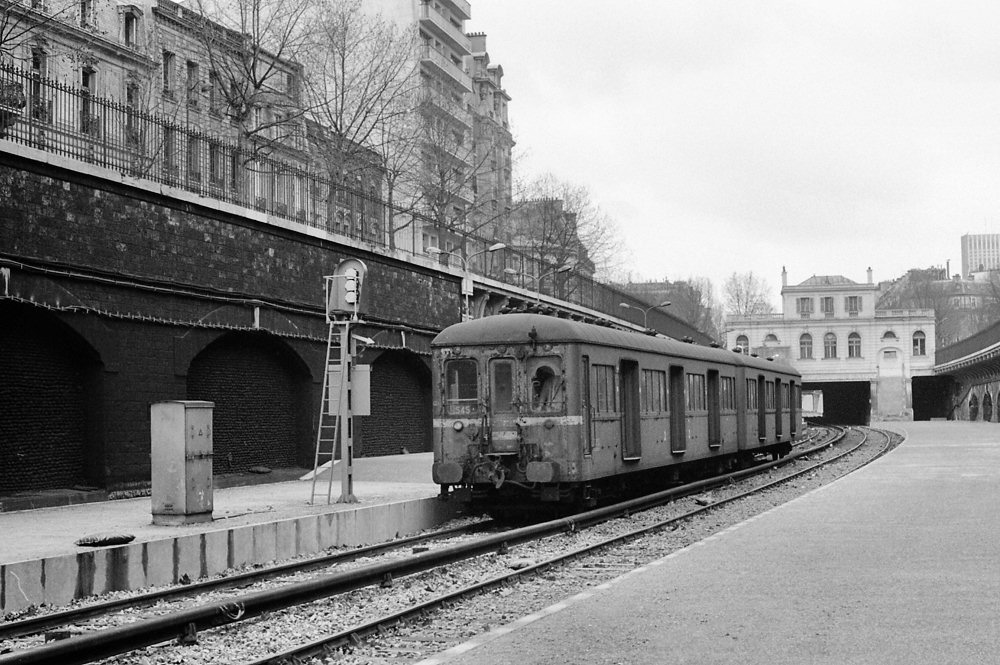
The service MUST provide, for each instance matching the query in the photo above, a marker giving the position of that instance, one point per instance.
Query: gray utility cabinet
(181, 452)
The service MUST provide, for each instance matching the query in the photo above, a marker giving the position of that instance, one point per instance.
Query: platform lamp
(467, 287)
(644, 310)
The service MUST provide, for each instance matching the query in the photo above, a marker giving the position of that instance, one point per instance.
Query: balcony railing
(444, 64)
(441, 27)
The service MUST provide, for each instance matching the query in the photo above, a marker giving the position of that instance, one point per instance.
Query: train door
(761, 408)
(678, 414)
(780, 398)
(586, 408)
(714, 412)
(503, 413)
(631, 423)
(793, 408)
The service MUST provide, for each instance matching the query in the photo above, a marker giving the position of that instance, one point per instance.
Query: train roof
(517, 328)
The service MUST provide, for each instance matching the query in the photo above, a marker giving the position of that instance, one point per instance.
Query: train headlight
(457, 426)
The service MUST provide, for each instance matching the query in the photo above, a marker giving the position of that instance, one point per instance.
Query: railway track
(372, 581)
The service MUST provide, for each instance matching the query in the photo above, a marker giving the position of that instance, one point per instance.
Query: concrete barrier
(61, 579)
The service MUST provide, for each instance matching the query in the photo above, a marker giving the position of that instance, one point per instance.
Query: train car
(531, 408)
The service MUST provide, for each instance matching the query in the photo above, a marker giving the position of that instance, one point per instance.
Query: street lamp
(644, 310)
(467, 280)
(538, 280)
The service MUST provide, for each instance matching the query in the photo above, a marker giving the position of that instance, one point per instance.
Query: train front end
(503, 429)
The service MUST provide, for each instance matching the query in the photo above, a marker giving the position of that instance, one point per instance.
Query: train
(532, 410)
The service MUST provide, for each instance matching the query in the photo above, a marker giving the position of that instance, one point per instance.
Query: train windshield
(502, 386)
(547, 385)
(461, 385)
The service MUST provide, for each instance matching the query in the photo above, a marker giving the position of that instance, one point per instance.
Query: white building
(830, 331)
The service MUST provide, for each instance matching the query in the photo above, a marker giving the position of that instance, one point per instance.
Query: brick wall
(401, 407)
(144, 285)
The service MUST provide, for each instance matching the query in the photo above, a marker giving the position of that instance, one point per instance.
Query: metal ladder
(328, 428)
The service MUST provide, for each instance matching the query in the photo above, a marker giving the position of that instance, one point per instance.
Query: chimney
(869, 274)
(784, 277)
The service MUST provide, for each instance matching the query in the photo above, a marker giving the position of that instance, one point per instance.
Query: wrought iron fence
(48, 115)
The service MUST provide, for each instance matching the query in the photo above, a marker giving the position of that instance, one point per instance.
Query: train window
(602, 381)
(461, 384)
(547, 384)
(752, 394)
(502, 386)
(768, 394)
(653, 397)
(696, 397)
(728, 388)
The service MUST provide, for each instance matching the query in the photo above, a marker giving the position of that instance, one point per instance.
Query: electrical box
(181, 460)
(361, 402)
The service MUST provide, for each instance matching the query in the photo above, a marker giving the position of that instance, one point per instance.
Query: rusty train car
(532, 409)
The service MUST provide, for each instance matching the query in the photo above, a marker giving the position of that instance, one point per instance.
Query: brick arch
(401, 406)
(261, 391)
(50, 393)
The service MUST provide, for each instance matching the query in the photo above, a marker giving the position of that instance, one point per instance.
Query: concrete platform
(40, 563)
(897, 563)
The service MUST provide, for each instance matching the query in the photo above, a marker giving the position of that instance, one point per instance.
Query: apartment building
(980, 253)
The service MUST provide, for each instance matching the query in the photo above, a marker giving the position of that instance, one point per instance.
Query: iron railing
(48, 115)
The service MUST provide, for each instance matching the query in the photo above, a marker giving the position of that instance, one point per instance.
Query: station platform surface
(40, 562)
(898, 562)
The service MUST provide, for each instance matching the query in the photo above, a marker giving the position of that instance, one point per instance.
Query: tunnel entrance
(932, 397)
(843, 402)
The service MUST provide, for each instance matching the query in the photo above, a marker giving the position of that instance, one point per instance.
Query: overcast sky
(736, 136)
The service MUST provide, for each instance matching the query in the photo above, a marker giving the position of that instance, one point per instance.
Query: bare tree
(361, 78)
(575, 231)
(22, 19)
(254, 48)
(746, 294)
(693, 300)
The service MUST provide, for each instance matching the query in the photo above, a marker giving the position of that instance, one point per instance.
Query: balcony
(460, 7)
(442, 64)
(441, 27)
(449, 107)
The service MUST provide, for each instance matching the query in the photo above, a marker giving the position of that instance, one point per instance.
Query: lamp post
(538, 280)
(644, 310)
(467, 280)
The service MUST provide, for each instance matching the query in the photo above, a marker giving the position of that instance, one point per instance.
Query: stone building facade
(831, 332)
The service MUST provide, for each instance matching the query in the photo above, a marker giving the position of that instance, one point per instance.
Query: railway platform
(898, 562)
(40, 561)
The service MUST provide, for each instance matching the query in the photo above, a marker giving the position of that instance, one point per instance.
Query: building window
(130, 26)
(743, 344)
(806, 346)
(770, 339)
(804, 306)
(86, 13)
(919, 343)
(169, 62)
(89, 123)
(853, 305)
(889, 336)
(826, 304)
(192, 83)
(830, 345)
(854, 345)
(40, 107)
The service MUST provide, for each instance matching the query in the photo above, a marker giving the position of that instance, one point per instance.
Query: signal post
(347, 386)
